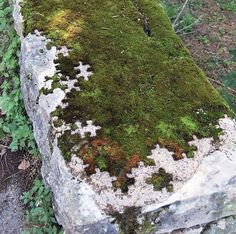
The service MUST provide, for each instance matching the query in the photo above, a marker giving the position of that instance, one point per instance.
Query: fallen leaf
(24, 165)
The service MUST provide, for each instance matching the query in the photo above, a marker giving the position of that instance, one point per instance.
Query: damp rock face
(133, 137)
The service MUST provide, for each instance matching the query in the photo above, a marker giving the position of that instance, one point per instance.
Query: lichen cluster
(145, 88)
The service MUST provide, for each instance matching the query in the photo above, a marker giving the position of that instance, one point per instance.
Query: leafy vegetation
(13, 117)
(145, 87)
(40, 218)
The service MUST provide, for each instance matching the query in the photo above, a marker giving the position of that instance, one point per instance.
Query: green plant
(130, 129)
(165, 130)
(189, 123)
(39, 217)
(183, 19)
(229, 5)
(14, 120)
(187, 23)
(203, 39)
(170, 9)
(102, 163)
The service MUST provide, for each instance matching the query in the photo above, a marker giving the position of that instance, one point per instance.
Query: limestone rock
(101, 93)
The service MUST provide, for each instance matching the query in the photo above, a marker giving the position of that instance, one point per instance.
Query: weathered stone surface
(203, 189)
(222, 226)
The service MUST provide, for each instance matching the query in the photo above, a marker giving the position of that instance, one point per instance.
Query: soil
(211, 40)
(11, 187)
(13, 182)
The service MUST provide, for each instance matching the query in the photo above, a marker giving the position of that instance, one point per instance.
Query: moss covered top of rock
(145, 88)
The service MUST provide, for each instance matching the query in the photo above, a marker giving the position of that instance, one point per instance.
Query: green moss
(161, 180)
(189, 123)
(143, 87)
(128, 222)
(55, 84)
(146, 228)
(191, 151)
(165, 130)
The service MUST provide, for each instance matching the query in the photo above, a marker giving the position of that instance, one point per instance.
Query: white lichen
(63, 50)
(143, 194)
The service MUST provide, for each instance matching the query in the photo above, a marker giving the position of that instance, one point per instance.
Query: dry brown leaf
(24, 165)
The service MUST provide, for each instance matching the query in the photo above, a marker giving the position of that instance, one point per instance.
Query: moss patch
(145, 87)
(129, 224)
(161, 180)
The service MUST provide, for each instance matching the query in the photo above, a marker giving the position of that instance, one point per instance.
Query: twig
(187, 33)
(177, 24)
(189, 26)
(1, 163)
(6, 164)
(180, 13)
(4, 146)
(1, 182)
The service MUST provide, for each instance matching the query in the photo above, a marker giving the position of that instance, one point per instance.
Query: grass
(229, 81)
(144, 88)
(229, 5)
(188, 20)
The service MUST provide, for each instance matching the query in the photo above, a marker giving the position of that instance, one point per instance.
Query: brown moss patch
(106, 155)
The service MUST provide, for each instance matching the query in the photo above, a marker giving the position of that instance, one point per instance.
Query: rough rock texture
(222, 226)
(208, 196)
(204, 191)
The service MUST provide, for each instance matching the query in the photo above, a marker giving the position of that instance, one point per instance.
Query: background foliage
(40, 216)
(13, 120)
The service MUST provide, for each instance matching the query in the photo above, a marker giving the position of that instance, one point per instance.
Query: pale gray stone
(207, 194)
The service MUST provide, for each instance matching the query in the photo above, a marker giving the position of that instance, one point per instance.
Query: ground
(211, 40)
(140, 87)
(211, 43)
(13, 182)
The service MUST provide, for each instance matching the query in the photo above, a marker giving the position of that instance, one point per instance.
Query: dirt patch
(11, 187)
(13, 182)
